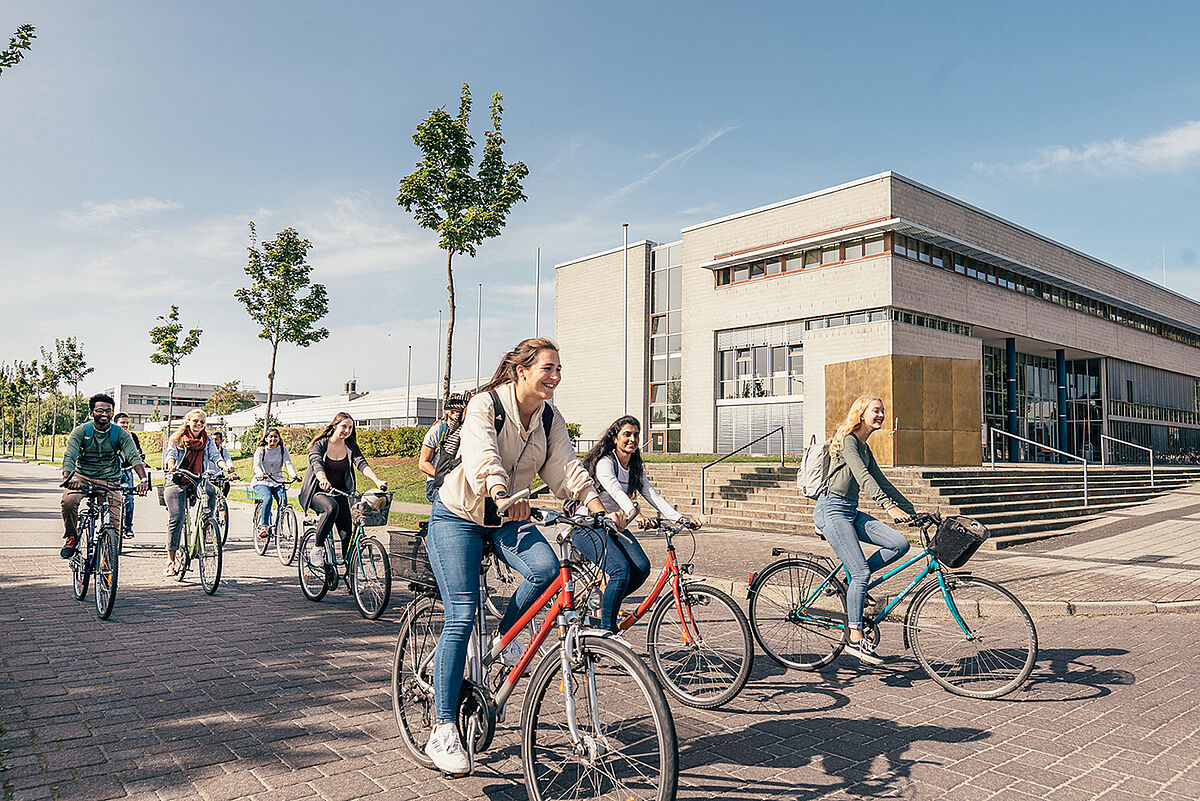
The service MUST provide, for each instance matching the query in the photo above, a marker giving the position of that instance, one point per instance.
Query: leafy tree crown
(279, 272)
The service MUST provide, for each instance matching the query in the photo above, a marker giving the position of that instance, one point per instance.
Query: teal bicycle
(971, 635)
(365, 568)
(201, 540)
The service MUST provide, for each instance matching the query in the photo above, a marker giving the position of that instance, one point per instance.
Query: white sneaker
(512, 652)
(864, 651)
(316, 556)
(446, 750)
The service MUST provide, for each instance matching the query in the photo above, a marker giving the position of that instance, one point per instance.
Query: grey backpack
(813, 477)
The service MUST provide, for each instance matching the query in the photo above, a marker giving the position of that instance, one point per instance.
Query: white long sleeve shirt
(511, 457)
(613, 480)
(269, 464)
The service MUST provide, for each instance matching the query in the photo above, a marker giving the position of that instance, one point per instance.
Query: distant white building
(373, 409)
(140, 400)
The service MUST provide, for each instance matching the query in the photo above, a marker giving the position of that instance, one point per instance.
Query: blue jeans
(844, 526)
(128, 482)
(455, 553)
(625, 564)
(268, 494)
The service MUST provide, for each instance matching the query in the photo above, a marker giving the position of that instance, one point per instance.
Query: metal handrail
(772, 432)
(992, 432)
(1104, 461)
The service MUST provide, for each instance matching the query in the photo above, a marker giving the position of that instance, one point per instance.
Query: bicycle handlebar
(684, 524)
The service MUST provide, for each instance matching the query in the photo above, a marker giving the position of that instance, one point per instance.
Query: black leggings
(332, 509)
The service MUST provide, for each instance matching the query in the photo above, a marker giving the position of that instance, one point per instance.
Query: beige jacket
(491, 459)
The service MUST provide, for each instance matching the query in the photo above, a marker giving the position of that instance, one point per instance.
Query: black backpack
(447, 458)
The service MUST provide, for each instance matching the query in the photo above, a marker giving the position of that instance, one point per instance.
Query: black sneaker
(864, 652)
(69, 547)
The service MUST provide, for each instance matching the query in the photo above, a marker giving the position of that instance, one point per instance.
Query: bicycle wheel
(81, 561)
(704, 659)
(798, 622)
(628, 748)
(372, 578)
(412, 675)
(221, 514)
(285, 537)
(254, 518)
(995, 652)
(312, 578)
(108, 546)
(262, 539)
(210, 556)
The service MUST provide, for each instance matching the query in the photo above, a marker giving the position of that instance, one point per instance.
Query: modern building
(140, 400)
(963, 322)
(371, 409)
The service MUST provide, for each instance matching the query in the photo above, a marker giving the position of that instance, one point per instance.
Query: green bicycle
(366, 570)
(972, 636)
(201, 536)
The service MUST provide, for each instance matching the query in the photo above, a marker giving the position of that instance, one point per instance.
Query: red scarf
(193, 455)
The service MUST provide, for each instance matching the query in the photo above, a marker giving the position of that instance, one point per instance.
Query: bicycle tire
(285, 537)
(796, 635)
(254, 518)
(372, 578)
(313, 580)
(108, 544)
(210, 556)
(713, 670)
(221, 514)
(982, 666)
(262, 539)
(81, 563)
(412, 667)
(634, 712)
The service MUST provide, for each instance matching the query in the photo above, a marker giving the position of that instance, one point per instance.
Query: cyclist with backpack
(509, 433)
(445, 431)
(222, 482)
(121, 419)
(852, 468)
(615, 463)
(333, 456)
(93, 454)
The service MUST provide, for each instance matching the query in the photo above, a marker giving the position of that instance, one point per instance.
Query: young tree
(444, 196)
(21, 40)
(50, 379)
(229, 399)
(276, 298)
(170, 350)
(6, 389)
(73, 368)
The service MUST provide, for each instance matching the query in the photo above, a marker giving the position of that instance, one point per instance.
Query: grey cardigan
(316, 464)
(855, 467)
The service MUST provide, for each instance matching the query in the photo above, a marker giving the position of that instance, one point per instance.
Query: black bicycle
(99, 546)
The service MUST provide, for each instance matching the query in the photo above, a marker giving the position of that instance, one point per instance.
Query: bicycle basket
(410, 557)
(956, 539)
(372, 509)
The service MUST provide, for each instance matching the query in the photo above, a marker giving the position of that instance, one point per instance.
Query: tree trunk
(270, 385)
(24, 424)
(170, 399)
(37, 426)
(449, 326)
(75, 406)
(53, 423)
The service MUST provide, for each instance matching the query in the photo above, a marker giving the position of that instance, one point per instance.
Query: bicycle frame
(672, 571)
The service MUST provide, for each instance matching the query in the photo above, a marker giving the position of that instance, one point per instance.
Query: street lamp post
(408, 392)
(625, 306)
(478, 328)
(537, 292)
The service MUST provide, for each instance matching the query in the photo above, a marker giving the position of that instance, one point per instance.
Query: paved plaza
(257, 693)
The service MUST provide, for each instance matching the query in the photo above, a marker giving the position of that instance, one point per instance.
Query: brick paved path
(257, 693)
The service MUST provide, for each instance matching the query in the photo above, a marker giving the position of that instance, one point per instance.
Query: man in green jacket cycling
(93, 455)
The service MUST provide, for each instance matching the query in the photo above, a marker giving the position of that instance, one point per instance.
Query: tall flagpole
(408, 392)
(537, 292)
(478, 328)
(437, 376)
(625, 305)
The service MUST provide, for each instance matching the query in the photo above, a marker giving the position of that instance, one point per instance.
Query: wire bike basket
(410, 556)
(956, 540)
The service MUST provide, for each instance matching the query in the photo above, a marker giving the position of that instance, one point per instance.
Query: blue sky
(137, 139)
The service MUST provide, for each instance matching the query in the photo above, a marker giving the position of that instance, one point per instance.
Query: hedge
(388, 442)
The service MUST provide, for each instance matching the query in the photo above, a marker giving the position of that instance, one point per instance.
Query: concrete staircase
(1017, 503)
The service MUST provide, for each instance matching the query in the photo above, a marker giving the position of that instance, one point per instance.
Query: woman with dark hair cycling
(615, 462)
(494, 463)
(332, 458)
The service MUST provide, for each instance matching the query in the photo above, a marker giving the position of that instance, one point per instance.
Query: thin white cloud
(1174, 149)
(114, 211)
(678, 158)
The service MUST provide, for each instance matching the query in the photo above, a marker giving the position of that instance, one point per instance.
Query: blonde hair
(854, 418)
(179, 432)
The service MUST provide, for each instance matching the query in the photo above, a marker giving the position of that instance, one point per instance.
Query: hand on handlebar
(618, 519)
(143, 486)
(899, 515)
(323, 482)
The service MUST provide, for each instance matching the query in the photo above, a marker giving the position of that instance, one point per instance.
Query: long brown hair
(523, 355)
(608, 444)
(854, 416)
(183, 427)
(351, 441)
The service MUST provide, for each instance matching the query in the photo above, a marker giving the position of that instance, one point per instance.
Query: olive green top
(854, 467)
(99, 461)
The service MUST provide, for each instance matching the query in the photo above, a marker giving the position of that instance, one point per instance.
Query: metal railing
(992, 432)
(1104, 452)
(703, 470)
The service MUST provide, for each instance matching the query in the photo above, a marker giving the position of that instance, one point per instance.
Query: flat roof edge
(789, 201)
(609, 252)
